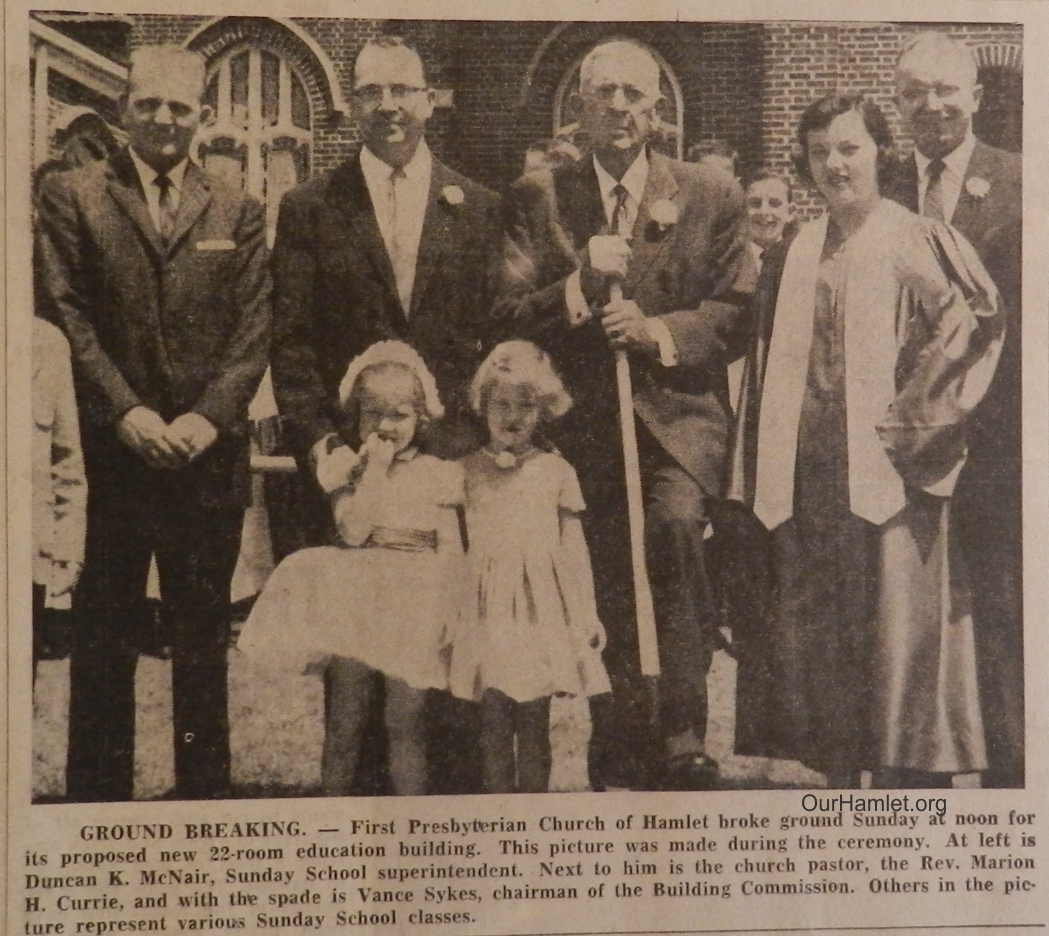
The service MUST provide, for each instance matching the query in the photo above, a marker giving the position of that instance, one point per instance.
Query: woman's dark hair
(820, 114)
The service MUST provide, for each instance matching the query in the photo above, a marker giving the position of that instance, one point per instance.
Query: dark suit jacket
(336, 293)
(992, 223)
(694, 274)
(177, 328)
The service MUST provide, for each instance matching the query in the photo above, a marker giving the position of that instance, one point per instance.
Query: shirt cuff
(575, 301)
(945, 486)
(660, 334)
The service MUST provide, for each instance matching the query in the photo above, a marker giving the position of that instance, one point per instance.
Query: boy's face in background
(768, 211)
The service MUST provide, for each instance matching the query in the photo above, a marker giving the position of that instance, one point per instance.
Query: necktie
(402, 263)
(619, 213)
(933, 206)
(167, 207)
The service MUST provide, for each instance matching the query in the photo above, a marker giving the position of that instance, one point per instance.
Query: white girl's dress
(528, 616)
(387, 603)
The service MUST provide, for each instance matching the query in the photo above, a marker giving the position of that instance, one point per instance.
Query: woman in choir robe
(877, 334)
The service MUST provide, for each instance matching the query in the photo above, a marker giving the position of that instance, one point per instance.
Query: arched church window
(260, 137)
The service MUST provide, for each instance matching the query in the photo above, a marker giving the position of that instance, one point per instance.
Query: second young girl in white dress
(528, 627)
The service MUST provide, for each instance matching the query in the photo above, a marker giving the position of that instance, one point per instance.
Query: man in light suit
(978, 190)
(157, 275)
(391, 244)
(670, 235)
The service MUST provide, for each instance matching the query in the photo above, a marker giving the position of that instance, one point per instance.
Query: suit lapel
(580, 207)
(650, 240)
(905, 183)
(125, 188)
(967, 213)
(436, 233)
(192, 203)
(348, 191)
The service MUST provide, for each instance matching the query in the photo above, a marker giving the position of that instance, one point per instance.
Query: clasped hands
(166, 445)
(605, 262)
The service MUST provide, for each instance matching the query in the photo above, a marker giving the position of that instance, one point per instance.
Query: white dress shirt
(148, 176)
(400, 208)
(634, 180)
(758, 253)
(954, 166)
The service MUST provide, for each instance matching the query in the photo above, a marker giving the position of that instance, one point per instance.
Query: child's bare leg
(497, 742)
(347, 685)
(533, 745)
(404, 710)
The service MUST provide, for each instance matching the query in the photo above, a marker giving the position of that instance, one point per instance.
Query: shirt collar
(633, 180)
(415, 170)
(148, 175)
(955, 162)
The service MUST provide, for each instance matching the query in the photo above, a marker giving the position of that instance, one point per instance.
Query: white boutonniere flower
(453, 195)
(664, 212)
(977, 187)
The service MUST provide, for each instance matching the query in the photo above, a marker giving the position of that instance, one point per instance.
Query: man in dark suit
(391, 244)
(629, 250)
(158, 277)
(978, 190)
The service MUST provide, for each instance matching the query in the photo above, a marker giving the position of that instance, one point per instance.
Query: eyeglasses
(917, 91)
(372, 94)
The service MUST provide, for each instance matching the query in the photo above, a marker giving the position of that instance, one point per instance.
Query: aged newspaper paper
(749, 823)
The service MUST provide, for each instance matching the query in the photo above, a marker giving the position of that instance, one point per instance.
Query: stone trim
(286, 39)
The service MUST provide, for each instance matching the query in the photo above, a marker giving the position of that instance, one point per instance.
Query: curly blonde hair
(521, 363)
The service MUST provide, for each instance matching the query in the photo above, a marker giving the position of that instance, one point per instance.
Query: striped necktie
(167, 206)
(403, 272)
(619, 212)
(933, 205)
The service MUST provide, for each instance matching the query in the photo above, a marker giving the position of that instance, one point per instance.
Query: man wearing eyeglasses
(627, 250)
(977, 189)
(391, 244)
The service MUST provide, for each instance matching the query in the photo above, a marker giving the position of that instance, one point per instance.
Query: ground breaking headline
(773, 849)
(556, 863)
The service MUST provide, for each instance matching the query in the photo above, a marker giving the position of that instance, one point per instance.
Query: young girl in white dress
(381, 601)
(528, 626)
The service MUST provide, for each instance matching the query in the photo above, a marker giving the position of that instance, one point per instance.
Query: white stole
(867, 290)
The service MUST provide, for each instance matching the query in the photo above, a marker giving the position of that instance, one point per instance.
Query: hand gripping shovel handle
(648, 649)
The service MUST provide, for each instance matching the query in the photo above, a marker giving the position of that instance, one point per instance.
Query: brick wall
(743, 82)
(802, 61)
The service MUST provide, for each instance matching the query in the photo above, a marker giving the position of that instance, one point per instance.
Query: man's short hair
(942, 44)
(720, 148)
(764, 174)
(390, 42)
(628, 46)
(168, 56)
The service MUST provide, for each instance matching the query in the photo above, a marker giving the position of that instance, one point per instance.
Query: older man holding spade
(632, 270)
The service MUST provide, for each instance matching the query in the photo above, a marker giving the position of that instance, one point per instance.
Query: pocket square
(216, 245)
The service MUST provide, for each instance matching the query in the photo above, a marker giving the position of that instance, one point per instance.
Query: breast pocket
(212, 256)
